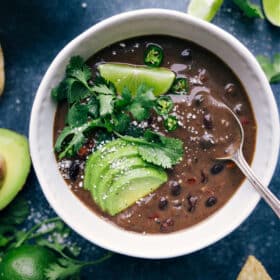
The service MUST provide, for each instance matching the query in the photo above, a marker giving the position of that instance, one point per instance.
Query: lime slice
(204, 9)
(132, 76)
(272, 11)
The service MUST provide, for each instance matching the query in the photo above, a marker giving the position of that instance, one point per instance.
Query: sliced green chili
(170, 123)
(153, 55)
(180, 86)
(164, 105)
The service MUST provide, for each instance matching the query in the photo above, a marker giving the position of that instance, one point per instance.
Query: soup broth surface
(199, 185)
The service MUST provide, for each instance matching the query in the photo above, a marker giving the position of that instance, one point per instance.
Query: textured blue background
(32, 33)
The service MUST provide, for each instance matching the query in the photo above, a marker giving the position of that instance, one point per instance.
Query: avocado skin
(15, 152)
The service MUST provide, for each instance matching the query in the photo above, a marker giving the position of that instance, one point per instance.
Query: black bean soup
(199, 185)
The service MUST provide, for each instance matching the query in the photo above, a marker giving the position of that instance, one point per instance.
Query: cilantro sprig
(96, 104)
(48, 234)
(157, 149)
(270, 68)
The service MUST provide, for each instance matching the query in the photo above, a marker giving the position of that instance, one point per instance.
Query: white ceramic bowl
(104, 234)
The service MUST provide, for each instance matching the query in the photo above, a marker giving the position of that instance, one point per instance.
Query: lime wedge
(132, 76)
(272, 11)
(204, 9)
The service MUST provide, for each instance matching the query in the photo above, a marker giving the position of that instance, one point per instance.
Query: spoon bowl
(235, 154)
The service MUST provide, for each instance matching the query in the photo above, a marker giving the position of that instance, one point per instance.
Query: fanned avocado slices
(117, 176)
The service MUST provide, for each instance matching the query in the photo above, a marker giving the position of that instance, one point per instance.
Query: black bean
(212, 200)
(175, 188)
(170, 222)
(199, 98)
(186, 53)
(217, 168)
(166, 224)
(230, 89)
(207, 121)
(207, 141)
(74, 170)
(238, 109)
(192, 201)
(163, 203)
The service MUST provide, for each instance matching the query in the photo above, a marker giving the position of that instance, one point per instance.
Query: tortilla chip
(2, 73)
(253, 270)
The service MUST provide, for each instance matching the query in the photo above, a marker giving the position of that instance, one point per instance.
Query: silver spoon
(235, 154)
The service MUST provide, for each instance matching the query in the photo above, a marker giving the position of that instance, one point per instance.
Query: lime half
(132, 76)
(272, 11)
(204, 9)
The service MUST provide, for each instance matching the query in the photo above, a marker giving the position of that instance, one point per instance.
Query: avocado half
(15, 165)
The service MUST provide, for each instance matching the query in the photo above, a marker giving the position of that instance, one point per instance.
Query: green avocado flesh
(117, 176)
(14, 153)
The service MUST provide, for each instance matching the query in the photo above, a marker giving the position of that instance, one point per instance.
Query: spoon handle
(265, 193)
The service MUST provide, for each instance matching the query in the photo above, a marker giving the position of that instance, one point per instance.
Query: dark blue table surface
(32, 33)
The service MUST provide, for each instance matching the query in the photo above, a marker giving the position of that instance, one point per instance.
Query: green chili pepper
(153, 55)
(164, 105)
(180, 86)
(171, 123)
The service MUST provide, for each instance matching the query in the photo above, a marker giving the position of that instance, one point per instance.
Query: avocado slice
(131, 186)
(121, 165)
(94, 160)
(103, 161)
(15, 165)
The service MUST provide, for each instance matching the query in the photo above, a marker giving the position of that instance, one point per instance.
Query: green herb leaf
(16, 213)
(121, 122)
(74, 86)
(77, 115)
(66, 268)
(158, 149)
(71, 139)
(63, 269)
(104, 89)
(124, 99)
(11, 217)
(106, 104)
(271, 69)
(142, 103)
(78, 70)
(249, 9)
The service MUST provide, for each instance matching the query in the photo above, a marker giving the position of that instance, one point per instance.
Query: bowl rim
(231, 225)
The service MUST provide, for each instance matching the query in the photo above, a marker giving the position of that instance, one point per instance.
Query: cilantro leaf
(78, 70)
(77, 115)
(106, 104)
(66, 268)
(71, 139)
(249, 9)
(104, 89)
(124, 99)
(16, 213)
(142, 103)
(121, 122)
(63, 269)
(270, 68)
(74, 86)
(139, 112)
(158, 149)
